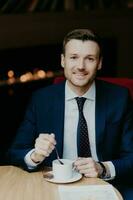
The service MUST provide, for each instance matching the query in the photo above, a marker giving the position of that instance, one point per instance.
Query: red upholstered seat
(59, 79)
(126, 82)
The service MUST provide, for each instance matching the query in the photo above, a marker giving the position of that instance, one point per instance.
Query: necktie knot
(80, 102)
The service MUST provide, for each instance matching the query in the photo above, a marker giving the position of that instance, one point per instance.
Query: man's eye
(91, 59)
(73, 57)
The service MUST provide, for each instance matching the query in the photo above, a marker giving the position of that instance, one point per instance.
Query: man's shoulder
(111, 87)
(114, 93)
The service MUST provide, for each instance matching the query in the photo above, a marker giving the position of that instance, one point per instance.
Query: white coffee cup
(62, 172)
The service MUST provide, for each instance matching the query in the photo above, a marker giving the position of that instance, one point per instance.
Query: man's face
(81, 62)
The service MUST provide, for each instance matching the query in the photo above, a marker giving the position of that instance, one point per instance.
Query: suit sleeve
(25, 137)
(124, 163)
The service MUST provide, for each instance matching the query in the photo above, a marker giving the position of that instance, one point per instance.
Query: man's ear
(100, 63)
(62, 60)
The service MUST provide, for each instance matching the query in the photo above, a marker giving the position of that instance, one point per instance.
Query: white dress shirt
(71, 122)
(70, 127)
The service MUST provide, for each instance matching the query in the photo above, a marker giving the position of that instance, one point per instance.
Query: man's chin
(81, 83)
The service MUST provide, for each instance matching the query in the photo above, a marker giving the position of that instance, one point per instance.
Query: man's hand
(88, 167)
(44, 145)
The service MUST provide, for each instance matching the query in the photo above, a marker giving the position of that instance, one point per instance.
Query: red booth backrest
(126, 82)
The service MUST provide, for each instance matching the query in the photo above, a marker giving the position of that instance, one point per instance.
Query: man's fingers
(84, 161)
(86, 166)
(48, 137)
(45, 144)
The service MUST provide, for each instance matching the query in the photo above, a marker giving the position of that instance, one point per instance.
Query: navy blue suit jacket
(114, 125)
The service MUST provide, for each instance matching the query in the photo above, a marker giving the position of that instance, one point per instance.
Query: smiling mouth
(80, 75)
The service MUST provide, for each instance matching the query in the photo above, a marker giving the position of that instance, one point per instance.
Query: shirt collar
(90, 94)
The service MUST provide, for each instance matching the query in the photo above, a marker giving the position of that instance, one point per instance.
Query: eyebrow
(76, 54)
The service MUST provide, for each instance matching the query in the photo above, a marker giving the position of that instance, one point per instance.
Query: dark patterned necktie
(83, 144)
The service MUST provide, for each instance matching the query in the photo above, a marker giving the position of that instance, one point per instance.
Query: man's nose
(81, 64)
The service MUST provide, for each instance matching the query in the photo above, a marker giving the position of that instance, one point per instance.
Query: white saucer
(49, 177)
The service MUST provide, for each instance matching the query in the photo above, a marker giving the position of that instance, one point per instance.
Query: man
(53, 118)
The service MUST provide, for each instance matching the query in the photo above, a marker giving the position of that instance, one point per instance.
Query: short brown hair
(84, 35)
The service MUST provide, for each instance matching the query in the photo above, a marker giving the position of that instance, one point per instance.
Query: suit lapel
(100, 117)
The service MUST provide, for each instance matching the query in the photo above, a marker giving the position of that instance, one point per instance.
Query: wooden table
(17, 184)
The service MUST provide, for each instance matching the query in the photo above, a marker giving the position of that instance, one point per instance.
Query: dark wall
(23, 59)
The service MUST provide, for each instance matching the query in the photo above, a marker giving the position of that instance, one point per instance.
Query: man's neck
(80, 91)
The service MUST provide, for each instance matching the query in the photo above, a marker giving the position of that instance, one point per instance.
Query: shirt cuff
(30, 164)
(110, 170)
